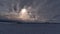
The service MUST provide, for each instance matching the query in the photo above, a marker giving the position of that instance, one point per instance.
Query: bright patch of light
(24, 14)
(23, 11)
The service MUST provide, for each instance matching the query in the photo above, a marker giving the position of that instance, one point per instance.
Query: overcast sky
(46, 9)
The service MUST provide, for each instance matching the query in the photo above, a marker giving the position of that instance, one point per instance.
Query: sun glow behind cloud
(24, 14)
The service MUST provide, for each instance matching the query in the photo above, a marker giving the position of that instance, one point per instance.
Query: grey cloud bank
(47, 10)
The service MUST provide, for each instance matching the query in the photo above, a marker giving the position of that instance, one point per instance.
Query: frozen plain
(29, 28)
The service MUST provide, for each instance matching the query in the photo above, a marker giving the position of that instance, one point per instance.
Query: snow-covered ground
(29, 28)
(7, 29)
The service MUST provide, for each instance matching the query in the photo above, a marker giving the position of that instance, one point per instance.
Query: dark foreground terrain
(29, 28)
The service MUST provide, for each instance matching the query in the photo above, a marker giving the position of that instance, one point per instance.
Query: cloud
(43, 10)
